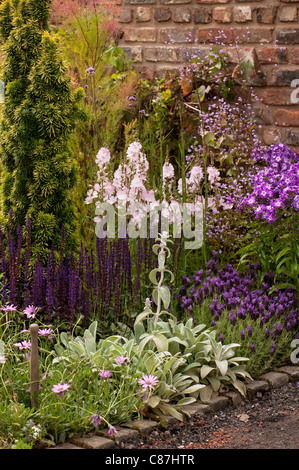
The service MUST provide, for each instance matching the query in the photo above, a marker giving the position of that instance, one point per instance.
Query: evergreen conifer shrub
(40, 113)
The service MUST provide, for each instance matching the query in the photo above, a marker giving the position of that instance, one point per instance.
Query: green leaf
(142, 316)
(175, 413)
(161, 342)
(194, 388)
(186, 401)
(165, 295)
(153, 401)
(205, 370)
(153, 276)
(222, 366)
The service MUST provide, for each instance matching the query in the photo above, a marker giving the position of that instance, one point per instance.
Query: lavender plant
(241, 310)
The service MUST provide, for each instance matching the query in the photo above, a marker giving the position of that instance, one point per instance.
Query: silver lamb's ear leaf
(153, 276)
(165, 295)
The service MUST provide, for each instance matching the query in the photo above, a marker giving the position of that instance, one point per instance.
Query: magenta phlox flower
(105, 374)
(30, 311)
(122, 359)
(60, 389)
(96, 419)
(148, 382)
(23, 345)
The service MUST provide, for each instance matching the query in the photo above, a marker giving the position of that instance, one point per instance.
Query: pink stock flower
(168, 171)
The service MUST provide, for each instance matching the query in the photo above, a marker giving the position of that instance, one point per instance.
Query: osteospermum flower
(9, 308)
(105, 374)
(45, 332)
(23, 345)
(59, 389)
(148, 381)
(30, 311)
(122, 359)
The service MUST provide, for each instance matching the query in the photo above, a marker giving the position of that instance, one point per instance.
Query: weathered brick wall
(160, 34)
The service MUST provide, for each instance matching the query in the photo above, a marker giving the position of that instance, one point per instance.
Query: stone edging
(278, 378)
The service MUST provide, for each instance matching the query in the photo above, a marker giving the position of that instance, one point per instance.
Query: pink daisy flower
(148, 381)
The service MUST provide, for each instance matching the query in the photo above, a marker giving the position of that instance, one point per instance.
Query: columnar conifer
(40, 113)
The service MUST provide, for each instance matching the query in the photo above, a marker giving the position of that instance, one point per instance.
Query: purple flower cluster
(237, 296)
(276, 185)
(100, 284)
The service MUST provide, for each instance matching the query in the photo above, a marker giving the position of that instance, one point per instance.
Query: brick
(162, 54)
(235, 398)
(66, 446)
(284, 117)
(143, 14)
(125, 15)
(288, 13)
(218, 403)
(284, 77)
(202, 15)
(242, 14)
(144, 426)
(140, 34)
(271, 136)
(196, 408)
(222, 14)
(174, 2)
(289, 1)
(292, 138)
(215, 35)
(212, 1)
(162, 14)
(181, 15)
(295, 55)
(133, 52)
(123, 434)
(253, 35)
(139, 2)
(95, 442)
(246, 1)
(287, 36)
(257, 386)
(195, 53)
(176, 35)
(276, 379)
(272, 55)
(266, 15)
(276, 96)
(292, 371)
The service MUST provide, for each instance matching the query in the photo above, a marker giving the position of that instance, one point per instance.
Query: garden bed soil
(270, 420)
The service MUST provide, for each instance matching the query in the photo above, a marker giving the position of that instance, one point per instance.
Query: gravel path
(268, 421)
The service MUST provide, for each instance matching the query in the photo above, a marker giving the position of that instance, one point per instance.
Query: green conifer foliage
(40, 113)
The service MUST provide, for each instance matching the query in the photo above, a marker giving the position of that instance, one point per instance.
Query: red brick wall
(160, 34)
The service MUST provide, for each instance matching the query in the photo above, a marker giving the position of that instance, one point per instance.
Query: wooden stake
(34, 365)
